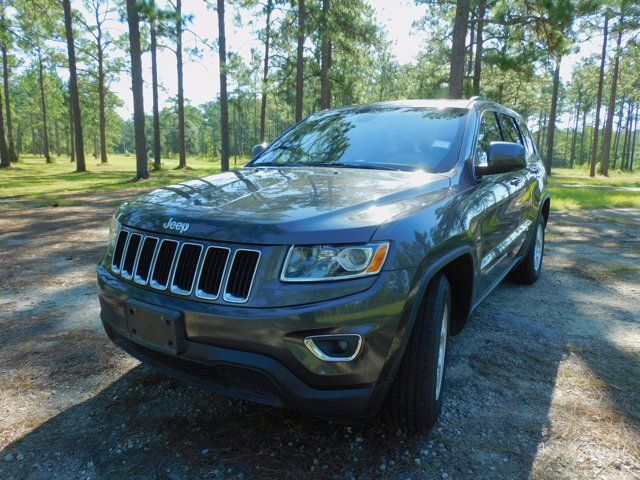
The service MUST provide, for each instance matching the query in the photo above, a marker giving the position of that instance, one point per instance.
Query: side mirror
(502, 157)
(258, 149)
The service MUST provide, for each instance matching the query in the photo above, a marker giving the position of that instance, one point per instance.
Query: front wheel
(415, 398)
(528, 270)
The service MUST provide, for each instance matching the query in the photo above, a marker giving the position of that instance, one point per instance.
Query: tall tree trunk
(616, 142)
(157, 162)
(133, 19)
(477, 61)
(302, 17)
(7, 104)
(5, 160)
(181, 134)
(551, 127)
(627, 137)
(102, 117)
(73, 88)
(72, 156)
(582, 136)
(43, 110)
(265, 71)
(472, 37)
(575, 132)
(224, 106)
(608, 127)
(633, 142)
(603, 60)
(459, 38)
(56, 134)
(326, 53)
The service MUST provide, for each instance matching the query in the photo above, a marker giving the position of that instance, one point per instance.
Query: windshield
(377, 137)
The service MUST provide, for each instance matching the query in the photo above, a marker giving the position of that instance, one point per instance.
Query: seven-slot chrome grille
(185, 267)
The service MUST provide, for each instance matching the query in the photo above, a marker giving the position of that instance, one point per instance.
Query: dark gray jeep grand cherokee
(328, 273)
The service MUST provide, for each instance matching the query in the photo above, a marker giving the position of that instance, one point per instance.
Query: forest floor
(542, 383)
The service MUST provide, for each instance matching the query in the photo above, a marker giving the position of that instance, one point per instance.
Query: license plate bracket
(156, 327)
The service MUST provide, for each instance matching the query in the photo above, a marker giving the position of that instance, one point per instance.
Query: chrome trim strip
(502, 247)
(124, 254)
(117, 269)
(129, 275)
(308, 341)
(178, 290)
(200, 293)
(136, 277)
(152, 282)
(230, 298)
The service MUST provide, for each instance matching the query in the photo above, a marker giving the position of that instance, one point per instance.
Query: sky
(201, 80)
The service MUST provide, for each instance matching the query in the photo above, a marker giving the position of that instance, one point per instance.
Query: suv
(328, 273)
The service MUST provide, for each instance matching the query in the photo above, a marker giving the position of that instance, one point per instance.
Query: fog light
(334, 348)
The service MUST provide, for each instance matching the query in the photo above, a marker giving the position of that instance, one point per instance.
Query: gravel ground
(542, 383)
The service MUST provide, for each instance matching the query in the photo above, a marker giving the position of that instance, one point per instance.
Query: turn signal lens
(378, 258)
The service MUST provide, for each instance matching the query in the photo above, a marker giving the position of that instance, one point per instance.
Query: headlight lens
(114, 231)
(333, 262)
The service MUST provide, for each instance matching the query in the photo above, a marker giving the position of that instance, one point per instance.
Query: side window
(489, 132)
(529, 146)
(509, 130)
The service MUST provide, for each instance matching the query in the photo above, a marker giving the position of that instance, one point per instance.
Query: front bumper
(258, 354)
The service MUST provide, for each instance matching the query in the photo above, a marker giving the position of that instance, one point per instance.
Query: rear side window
(489, 132)
(509, 129)
(529, 146)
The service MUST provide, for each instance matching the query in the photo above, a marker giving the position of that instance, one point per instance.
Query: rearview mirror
(258, 149)
(502, 157)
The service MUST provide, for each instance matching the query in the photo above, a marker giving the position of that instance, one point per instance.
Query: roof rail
(478, 97)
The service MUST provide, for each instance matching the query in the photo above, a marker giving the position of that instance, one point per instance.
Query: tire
(415, 397)
(528, 270)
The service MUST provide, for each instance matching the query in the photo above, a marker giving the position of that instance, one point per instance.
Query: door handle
(514, 182)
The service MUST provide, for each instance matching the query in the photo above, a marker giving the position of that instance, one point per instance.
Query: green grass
(593, 193)
(32, 178)
(48, 184)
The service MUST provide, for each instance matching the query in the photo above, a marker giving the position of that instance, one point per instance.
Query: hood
(270, 205)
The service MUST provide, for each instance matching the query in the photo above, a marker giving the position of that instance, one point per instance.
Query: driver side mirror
(257, 150)
(502, 157)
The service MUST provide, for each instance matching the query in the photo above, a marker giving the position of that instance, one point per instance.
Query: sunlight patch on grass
(33, 178)
(584, 198)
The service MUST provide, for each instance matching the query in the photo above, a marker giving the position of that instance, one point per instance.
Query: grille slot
(243, 269)
(163, 263)
(117, 253)
(145, 259)
(185, 271)
(211, 273)
(130, 255)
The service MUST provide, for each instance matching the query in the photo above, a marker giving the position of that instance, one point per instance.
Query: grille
(241, 276)
(130, 255)
(185, 268)
(117, 253)
(212, 271)
(145, 259)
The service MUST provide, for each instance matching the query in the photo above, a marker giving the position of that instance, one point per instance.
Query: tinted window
(529, 146)
(376, 137)
(510, 131)
(489, 132)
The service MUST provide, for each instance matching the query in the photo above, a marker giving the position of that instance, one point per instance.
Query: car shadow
(501, 380)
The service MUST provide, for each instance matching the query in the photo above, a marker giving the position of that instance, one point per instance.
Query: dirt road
(544, 382)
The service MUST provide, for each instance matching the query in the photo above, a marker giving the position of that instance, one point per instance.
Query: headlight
(333, 262)
(114, 231)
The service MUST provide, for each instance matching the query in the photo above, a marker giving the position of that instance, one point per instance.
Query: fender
(429, 267)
